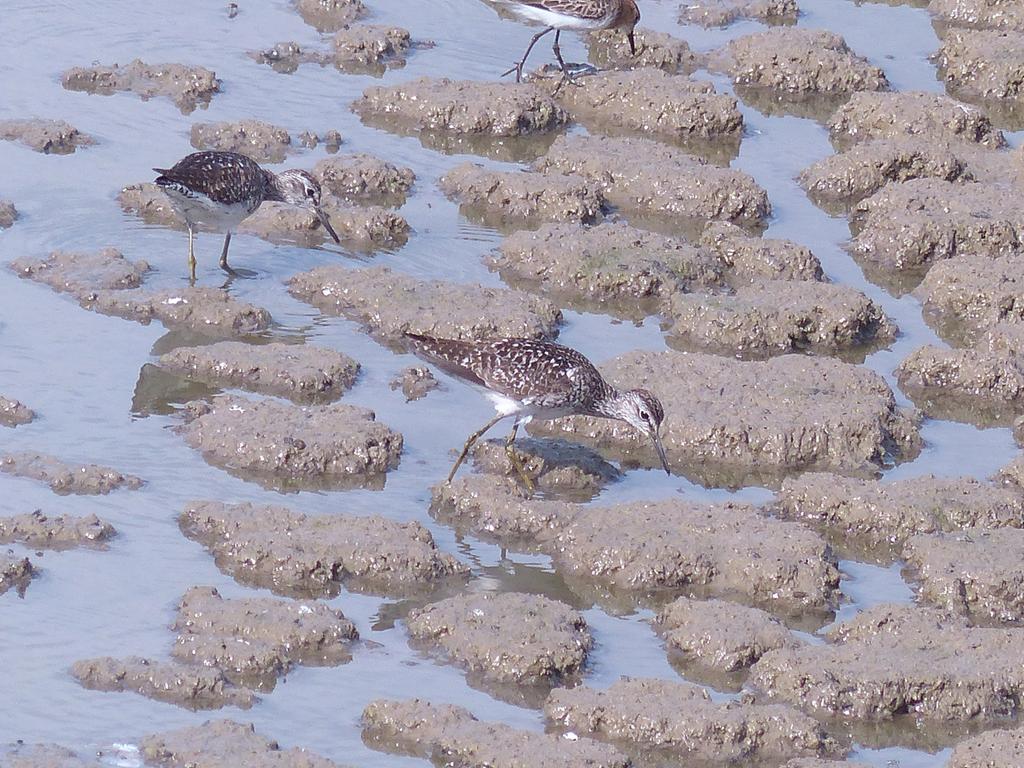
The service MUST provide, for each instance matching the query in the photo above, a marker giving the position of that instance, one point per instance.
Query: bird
(528, 378)
(221, 189)
(587, 15)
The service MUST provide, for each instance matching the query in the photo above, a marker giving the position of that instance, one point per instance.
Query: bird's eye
(310, 193)
(645, 415)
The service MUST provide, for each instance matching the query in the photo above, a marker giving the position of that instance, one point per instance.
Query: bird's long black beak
(632, 42)
(322, 215)
(660, 448)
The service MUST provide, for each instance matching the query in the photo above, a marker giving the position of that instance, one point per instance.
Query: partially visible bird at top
(528, 378)
(221, 189)
(584, 15)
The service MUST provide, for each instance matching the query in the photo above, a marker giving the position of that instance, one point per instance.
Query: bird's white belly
(509, 406)
(199, 209)
(556, 20)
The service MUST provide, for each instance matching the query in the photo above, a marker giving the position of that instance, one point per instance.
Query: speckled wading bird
(586, 15)
(220, 189)
(526, 378)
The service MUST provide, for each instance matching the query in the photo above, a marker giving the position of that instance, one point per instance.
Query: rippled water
(79, 370)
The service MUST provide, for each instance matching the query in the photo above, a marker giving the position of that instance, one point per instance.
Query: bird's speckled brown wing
(227, 178)
(581, 9)
(546, 373)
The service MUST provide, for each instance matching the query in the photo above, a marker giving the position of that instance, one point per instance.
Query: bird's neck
(627, 12)
(607, 403)
(274, 191)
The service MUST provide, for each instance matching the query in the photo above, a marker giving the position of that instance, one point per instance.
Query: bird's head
(629, 17)
(298, 187)
(643, 411)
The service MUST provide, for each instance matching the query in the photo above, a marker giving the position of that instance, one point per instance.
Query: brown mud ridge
(749, 259)
(388, 304)
(978, 14)
(986, 67)
(183, 685)
(55, 137)
(206, 311)
(898, 137)
(631, 270)
(777, 317)
(298, 555)
(272, 442)
(187, 86)
(227, 650)
(505, 638)
(669, 718)
(330, 15)
(416, 382)
(783, 415)
(965, 297)
(214, 744)
(421, 729)
(633, 273)
(839, 181)
(647, 549)
(982, 385)
(108, 283)
(903, 230)
(64, 478)
(975, 572)
(615, 268)
(880, 115)
(646, 178)
(504, 199)
(261, 141)
(671, 107)
(14, 413)
(37, 531)
(608, 49)
(716, 641)
(15, 573)
(463, 107)
(808, 72)
(365, 179)
(256, 640)
(8, 214)
(890, 661)
(642, 718)
(561, 469)
(876, 515)
(357, 49)
(361, 226)
(722, 13)
(301, 372)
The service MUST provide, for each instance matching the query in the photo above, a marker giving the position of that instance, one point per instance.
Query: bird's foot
(518, 69)
(517, 465)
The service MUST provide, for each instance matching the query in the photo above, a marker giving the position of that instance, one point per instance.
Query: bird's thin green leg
(191, 255)
(469, 443)
(510, 451)
(224, 256)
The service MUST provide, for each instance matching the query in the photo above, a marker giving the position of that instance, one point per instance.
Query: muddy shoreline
(227, 534)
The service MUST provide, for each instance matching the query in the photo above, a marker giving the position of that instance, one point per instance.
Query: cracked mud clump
(296, 554)
(313, 442)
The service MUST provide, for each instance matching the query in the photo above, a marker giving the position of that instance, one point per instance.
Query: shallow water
(79, 370)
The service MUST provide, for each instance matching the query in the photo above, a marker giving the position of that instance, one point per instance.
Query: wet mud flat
(613, 617)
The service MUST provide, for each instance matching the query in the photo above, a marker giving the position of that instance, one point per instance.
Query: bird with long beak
(584, 15)
(529, 378)
(222, 189)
